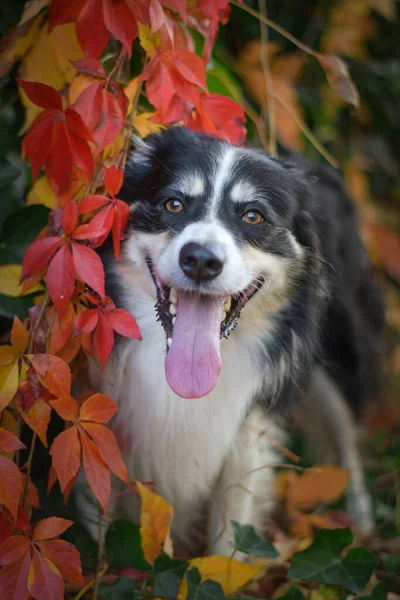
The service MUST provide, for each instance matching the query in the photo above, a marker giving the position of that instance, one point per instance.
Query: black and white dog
(253, 292)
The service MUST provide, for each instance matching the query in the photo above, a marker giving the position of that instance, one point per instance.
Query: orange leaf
(66, 407)
(32, 496)
(10, 485)
(45, 581)
(8, 383)
(96, 470)
(9, 442)
(314, 487)
(13, 549)
(14, 578)
(107, 444)
(19, 335)
(66, 455)
(65, 557)
(50, 528)
(38, 417)
(98, 408)
(52, 372)
(155, 522)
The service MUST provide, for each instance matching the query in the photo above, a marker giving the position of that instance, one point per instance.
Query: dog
(255, 299)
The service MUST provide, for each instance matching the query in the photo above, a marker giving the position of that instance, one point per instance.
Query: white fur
(222, 174)
(244, 191)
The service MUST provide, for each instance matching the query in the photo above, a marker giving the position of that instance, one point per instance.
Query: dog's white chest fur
(178, 444)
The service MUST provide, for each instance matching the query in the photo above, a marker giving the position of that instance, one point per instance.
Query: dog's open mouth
(194, 324)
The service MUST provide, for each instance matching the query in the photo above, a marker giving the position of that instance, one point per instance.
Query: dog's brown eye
(173, 205)
(252, 217)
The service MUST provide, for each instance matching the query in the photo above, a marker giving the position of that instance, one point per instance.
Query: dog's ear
(141, 150)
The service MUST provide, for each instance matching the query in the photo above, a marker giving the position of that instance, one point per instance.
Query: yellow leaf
(231, 574)
(66, 48)
(131, 89)
(48, 62)
(8, 354)
(144, 126)
(8, 383)
(19, 335)
(155, 522)
(41, 193)
(149, 42)
(9, 282)
(17, 42)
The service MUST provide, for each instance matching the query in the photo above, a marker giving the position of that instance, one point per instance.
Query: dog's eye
(173, 205)
(253, 217)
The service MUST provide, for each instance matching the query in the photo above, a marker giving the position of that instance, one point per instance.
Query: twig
(84, 590)
(269, 95)
(275, 27)
(309, 134)
(100, 540)
(37, 323)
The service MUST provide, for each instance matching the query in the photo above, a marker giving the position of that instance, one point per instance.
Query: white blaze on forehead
(191, 184)
(243, 191)
(222, 174)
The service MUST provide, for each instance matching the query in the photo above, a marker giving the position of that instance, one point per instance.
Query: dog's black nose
(199, 263)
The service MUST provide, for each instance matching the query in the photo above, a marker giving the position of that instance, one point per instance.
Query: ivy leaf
(248, 541)
(168, 574)
(379, 592)
(124, 547)
(322, 561)
(206, 590)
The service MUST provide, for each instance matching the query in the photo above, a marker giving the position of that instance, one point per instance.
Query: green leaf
(379, 592)
(8, 173)
(168, 575)
(293, 593)
(322, 561)
(123, 546)
(248, 541)
(206, 590)
(20, 229)
(122, 589)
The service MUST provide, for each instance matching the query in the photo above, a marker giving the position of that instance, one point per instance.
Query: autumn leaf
(57, 139)
(37, 417)
(9, 358)
(90, 442)
(322, 484)
(53, 373)
(101, 323)
(10, 485)
(155, 522)
(339, 78)
(9, 442)
(221, 116)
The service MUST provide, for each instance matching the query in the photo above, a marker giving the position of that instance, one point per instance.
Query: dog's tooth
(173, 296)
(228, 303)
(173, 320)
(172, 309)
(169, 342)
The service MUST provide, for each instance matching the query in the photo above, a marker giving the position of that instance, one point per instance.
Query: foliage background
(364, 144)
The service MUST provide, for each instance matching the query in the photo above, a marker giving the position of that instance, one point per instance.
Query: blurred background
(308, 118)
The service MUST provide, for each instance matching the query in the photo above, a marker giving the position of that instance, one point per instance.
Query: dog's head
(215, 228)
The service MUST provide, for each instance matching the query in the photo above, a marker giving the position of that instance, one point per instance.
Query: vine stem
(269, 94)
(100, 543)
(84, 590)
(37, 323)
(28, 466)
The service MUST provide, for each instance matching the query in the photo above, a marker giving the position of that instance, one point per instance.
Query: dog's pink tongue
(194, 362)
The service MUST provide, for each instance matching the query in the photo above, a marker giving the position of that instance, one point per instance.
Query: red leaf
(99, 408)
(10, 485)
(60, 279)
(5, 528)
(89, 267)
(69, 218)
(9, 442)
(113, 180)
(66, 407)
(45, 581)
(50, 528)
(120, 22)
(123, 323)
(91, 203)
(38, 141)
(89, 104)
(66, 455)
(60, 161)
(41, 94)
(189, 65)
(38, 255)
(107, 444)
(13, 549)
(37, 416)
(89, 231)
(14, 579)
(53, 373)
(91, 19)
(103, 340)
(63, 12)
(90, 66)
(221, 116)
(65, 557)
(87, 321)
(96, 470)
(76, 126)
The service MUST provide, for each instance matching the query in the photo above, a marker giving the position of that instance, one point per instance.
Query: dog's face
(215, 226)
